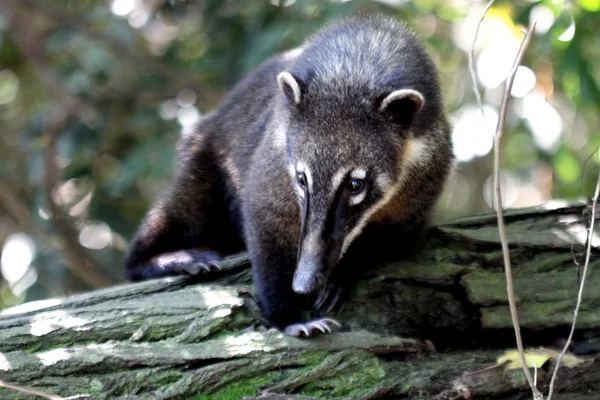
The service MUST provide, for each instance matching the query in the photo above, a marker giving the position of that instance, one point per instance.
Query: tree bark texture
(432, 327)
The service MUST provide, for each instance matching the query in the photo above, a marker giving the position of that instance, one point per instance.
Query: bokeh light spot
(9, 86)
(95, 236)
(524, 81)
(17, 253)
(122, 8)
(472, 135)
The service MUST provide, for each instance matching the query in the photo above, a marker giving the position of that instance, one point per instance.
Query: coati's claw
(328, 298)
(192, 262)
(323, 325)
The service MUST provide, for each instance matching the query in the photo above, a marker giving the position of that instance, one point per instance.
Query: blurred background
(94, 95)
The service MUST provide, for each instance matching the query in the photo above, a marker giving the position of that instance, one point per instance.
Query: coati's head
(347, 157)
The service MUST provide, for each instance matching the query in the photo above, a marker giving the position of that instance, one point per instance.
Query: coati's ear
(402, 105)
(290, 87)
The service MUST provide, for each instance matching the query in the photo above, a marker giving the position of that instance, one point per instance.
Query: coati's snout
(321, 239)
(308, 277)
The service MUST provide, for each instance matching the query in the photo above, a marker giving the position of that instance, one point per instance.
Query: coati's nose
(308, 276)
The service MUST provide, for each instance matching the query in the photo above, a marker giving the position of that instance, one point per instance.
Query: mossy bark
(431, 326)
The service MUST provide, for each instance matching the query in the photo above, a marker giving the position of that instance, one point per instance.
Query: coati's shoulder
(258, 88)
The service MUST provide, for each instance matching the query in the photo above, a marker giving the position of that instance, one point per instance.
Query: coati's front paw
(308, 329)
(191, 262)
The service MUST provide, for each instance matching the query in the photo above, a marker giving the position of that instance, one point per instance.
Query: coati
(321, 160)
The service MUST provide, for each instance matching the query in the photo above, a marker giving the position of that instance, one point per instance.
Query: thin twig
(30, 391)
(588, 252)
(499, 213)
(582, 180)
(472, 62)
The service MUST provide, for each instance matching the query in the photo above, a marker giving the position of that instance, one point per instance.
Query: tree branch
(590, 238)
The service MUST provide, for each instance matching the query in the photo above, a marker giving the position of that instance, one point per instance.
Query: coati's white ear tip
(411, 94)
(288, 84)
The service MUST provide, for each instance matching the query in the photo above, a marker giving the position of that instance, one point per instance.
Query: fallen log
(432, 326)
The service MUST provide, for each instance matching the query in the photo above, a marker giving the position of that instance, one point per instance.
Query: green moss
(165, 378)
(356, 374)
(311, 359)
(238, 390)
(548, 263)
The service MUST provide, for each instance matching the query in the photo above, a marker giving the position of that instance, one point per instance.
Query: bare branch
(33, 392)
(472, 62)
(499, 212)
(588, 252)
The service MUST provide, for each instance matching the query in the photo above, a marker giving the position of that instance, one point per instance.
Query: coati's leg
(271, 216)
(190, 215)
(280, 305)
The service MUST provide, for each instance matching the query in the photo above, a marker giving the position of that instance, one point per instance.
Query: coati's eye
(356, 186)
(301, 179)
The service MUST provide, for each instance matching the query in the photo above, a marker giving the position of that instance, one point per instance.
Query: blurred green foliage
(92, 103)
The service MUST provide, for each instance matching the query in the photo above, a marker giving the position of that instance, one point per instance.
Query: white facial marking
(337, 179)
(401, 94)
(354, 200)
(309, 179)
(383, 181)
(415, 153)
(299, 166)
(286, 79)
(358, 173)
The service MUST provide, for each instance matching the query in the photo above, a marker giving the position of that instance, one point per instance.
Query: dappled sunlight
(31, 306)
(211, 297)
(573, 231)
(555, 204)
(50, 321)
(52, 357)
(579, 233)
(4, 363)
(221, 313)
(249, 342)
